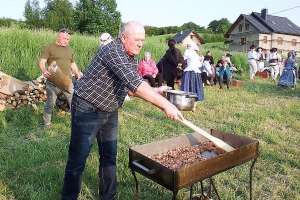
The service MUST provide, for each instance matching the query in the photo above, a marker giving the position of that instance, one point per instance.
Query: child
(217, 67)
(224, 73)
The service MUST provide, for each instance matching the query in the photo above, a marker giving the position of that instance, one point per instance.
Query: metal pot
(184, 101)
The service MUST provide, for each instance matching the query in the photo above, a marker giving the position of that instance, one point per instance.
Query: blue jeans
(89, 123)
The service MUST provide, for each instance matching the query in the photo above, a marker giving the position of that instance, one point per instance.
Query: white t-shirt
(193, 61)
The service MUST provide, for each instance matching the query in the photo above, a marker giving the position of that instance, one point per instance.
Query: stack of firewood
(29, 96)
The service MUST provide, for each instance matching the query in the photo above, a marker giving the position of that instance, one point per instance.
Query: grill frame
(245, 150)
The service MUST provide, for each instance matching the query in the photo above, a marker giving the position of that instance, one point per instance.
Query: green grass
(32, 160)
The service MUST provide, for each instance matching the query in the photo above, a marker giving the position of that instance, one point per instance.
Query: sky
(161, 13)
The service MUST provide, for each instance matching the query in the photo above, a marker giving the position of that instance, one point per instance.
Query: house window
(265, 40)
(240, 27)
(243, 41)
(247, 27)
(294, 42)
(279, 41)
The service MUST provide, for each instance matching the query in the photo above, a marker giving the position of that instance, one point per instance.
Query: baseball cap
(65, 30)
(104, 37)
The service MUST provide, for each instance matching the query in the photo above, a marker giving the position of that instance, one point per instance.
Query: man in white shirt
(252, 56)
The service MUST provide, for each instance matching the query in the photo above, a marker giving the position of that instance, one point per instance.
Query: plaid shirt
(105, 81)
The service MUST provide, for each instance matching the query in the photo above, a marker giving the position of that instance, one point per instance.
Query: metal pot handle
(148, 171)
(192, 95)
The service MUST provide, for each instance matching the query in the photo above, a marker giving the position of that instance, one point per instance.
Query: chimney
(264, 14)
(181, 32)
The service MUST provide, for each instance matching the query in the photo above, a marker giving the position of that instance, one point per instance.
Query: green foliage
(97, 16)
(94, 17)
(191, 25)
(212, 38)
(33, 14)
(58, 14)
(5, 22)
(154, 31)
(220, 26)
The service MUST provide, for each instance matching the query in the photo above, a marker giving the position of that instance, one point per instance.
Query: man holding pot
(96, 100)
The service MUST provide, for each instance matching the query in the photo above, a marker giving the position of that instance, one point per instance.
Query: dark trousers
(206, 78)
(152, 80)
(221, 80)
(170, 82)
(89, 123)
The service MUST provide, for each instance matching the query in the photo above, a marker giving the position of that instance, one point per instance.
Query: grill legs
(136, 186)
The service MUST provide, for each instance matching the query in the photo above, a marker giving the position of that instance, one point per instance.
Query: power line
(285, 10)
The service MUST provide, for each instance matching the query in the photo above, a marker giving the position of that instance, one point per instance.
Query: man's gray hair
(125, 28)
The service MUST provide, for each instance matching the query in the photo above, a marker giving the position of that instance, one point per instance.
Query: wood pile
(35, 92)
(15, 93)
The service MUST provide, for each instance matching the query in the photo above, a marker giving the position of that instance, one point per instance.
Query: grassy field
(32, 160)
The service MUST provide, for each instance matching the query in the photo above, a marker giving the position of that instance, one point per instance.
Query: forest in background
(93, 17)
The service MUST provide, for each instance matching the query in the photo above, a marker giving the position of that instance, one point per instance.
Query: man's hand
(161, 90)
(47, 74)
(172, 112)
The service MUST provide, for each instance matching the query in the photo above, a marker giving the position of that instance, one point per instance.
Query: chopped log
(9, 84)
(34, 106)
(2, 105)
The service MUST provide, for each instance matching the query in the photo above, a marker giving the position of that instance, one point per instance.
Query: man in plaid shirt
(97, 97)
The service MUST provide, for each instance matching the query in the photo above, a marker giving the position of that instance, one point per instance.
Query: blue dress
(192, 82)
(288, 76)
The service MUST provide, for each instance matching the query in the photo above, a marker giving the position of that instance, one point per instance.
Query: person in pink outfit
(148, 70)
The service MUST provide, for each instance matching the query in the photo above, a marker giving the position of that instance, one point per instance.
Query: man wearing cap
(105, 38)
(252, 57)
(63, 55)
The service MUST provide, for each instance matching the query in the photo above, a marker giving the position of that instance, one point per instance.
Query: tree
(190, 25)
(58, 14)
(33, 14)
(220, 26)
(97, 16)
(5, 22)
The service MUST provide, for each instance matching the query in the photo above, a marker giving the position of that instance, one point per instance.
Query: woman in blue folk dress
(288, 77)
(191, 78)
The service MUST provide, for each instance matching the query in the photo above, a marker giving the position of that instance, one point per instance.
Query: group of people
(195, 71)
(114, 73)
(285, 69)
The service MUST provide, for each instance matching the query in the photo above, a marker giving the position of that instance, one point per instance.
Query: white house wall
(253, 36)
